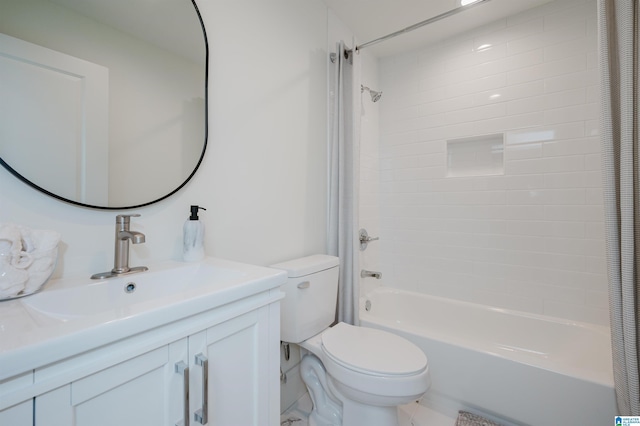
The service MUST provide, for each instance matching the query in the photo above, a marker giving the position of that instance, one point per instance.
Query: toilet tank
(311, 293)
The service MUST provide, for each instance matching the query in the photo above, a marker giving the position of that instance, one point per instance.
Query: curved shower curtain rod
(418, 25)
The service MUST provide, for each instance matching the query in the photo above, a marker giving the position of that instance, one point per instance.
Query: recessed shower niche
(476, 156)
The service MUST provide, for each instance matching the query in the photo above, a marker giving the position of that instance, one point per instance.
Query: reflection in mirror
(102, 103)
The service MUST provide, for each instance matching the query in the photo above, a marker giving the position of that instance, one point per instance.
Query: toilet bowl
(355, 375)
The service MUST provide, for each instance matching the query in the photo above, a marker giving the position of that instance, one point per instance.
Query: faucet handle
(124, 218)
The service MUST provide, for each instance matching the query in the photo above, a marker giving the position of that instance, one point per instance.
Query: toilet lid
(372, 351)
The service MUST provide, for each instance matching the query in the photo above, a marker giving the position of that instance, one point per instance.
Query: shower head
(375, 96)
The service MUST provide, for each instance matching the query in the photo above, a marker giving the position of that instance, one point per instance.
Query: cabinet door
(228, 367)
(13, 411)
(18, 415)
(144, 391)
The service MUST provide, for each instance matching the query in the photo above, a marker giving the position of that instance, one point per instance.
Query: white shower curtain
(344, 175)
(619, 66)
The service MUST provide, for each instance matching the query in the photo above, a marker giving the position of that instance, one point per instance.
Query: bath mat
(466, 418)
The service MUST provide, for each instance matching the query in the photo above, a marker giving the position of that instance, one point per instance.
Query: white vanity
(181, 344)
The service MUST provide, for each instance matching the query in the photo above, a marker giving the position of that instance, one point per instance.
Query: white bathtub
(517, 367)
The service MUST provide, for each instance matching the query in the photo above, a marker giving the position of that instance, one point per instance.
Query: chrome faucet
(364, 274)
(121, 252)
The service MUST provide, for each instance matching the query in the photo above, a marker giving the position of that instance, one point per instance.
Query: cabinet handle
(201, 415)
(181, 368)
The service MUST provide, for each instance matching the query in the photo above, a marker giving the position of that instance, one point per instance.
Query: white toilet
(355, 375)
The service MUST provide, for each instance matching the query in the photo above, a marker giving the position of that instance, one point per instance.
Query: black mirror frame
(204, 148)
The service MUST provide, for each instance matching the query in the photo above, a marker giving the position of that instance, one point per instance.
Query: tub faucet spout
(364, 274)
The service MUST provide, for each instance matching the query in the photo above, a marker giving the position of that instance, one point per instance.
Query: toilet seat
(372, 352)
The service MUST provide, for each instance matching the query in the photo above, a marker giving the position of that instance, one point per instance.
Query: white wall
(263, 179)
(531, 239)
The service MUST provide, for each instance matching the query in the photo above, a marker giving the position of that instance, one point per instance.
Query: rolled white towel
(12, 281)
(34, 251)
(10, 238)
(39, 239)
(42, 266)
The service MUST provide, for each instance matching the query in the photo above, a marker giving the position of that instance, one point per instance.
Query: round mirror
(103, 104)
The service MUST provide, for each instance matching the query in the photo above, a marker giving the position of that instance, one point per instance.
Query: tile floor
(409, 415)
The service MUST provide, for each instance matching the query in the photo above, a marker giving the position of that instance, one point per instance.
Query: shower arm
(419, 24)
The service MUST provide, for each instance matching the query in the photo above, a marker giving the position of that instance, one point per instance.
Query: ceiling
(371, 19)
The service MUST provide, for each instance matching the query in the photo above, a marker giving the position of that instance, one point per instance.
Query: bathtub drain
(367, 305)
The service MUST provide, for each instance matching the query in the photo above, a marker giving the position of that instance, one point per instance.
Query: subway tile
(594, 196)
(471, 115)
(545, 133)
(489, 54)
(418, 148)
(593, 61)
(547, 196)
(489, 183)
(575, 246)
(565, 98)
(523, 29)
(404, 162)
(437, 159)
(445, 105)
(551, 69)
(525, 181)
(511, 63)
(566, 229)
(565, 180)
(525, 105)
(594, 179)
(593, 100)
(579, 279)
(592, 127)
(576, 46)
(523, 212)
(570, 31)
(484, 284)
(597, 265)
(419, 173)
(448, 184)
(554, 262)
(571, 213)
(542, 11)
(479, 84)
(526, 227)
(597, 299)
(571, 147)
(510, 93)
(474, 197)
(570, 81)
(595, 230)
(400, 138)
(545, 165)
(529, 290)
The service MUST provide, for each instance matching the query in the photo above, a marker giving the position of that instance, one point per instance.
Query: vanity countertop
(71, 316)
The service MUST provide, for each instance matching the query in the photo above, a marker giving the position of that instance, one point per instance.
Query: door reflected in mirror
(103, 104)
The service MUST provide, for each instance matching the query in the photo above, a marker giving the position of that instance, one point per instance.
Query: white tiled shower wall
(531, 239)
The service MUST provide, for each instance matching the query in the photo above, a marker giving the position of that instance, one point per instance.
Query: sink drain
(130, 287)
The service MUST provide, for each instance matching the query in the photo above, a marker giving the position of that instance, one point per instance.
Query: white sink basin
(75, 315)
(133, 293)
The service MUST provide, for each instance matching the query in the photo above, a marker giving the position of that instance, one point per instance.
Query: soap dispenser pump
(193, 237)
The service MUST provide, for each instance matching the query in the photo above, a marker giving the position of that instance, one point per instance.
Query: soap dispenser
(193, 247)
